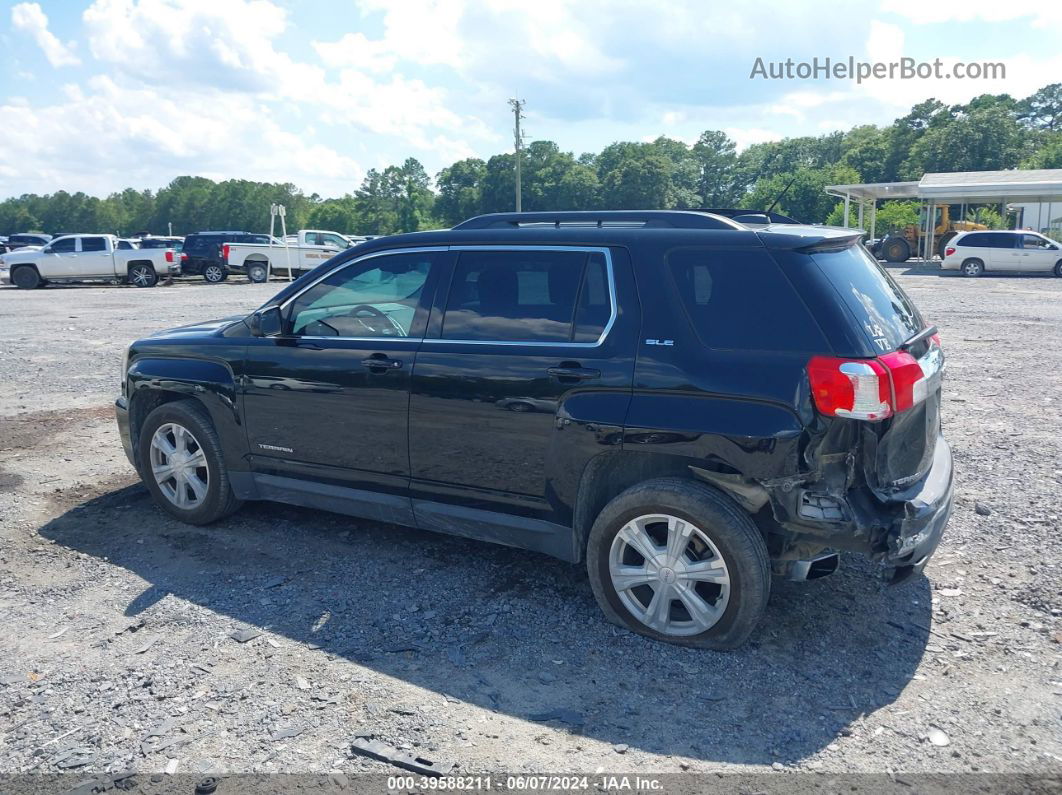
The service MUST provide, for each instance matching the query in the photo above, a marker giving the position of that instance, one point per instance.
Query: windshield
(883, 310)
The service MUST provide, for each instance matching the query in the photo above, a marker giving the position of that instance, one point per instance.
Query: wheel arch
(153, 382)
(608, 475)
(134, 263)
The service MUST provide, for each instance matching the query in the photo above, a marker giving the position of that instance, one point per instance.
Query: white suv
(973, 253)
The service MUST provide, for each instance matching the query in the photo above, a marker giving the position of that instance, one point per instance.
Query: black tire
(25, 277)
(944, 240)
(895, 249)
(143, 275)
(257, 272)
(214, 273)
(972, 267)
(1058, 268)
(219, 500)
(729, 528)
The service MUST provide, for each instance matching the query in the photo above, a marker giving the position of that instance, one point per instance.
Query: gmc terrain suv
(685, 403)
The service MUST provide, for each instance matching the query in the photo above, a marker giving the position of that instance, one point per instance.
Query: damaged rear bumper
(925, 513)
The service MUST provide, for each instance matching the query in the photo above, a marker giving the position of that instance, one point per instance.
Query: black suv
(685, 403)
(202, 253)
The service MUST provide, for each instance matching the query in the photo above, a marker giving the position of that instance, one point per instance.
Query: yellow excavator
(899, 246)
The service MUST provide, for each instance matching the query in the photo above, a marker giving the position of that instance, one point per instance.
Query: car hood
(205, 329)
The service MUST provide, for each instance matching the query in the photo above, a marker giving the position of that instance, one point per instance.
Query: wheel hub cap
(669, 574)
(179, 466)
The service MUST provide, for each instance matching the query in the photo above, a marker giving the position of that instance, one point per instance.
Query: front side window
(377, 297)
(93, 244)
(528, 296)
(1035, 242)
(63, 244)
(333, 240)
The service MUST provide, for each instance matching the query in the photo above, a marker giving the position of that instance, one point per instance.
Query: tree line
(992, 131)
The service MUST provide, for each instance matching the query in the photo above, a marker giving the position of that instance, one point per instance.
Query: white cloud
(29, 18)
(745, 137)
(922, 12)
(105, 136)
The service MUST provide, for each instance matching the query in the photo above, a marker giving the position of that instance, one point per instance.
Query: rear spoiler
(809, 238)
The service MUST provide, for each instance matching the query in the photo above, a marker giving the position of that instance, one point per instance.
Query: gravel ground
(118, 651)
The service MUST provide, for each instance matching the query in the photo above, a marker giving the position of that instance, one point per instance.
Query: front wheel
(26, 278)
(678, 561)
(181, 463)
(143, 276)
(215, 274)
(257, 273)
(1058, 268)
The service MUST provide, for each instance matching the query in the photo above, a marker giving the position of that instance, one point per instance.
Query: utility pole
(518, 113)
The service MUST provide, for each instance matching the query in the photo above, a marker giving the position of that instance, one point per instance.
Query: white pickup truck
(258, 261)
(86, 258)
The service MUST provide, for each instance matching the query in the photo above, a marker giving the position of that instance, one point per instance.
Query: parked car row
(36, 260)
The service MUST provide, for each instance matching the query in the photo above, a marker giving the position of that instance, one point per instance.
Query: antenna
(518, 114)
(778, 198)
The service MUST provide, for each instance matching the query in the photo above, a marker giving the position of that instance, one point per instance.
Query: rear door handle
(380, 362)
(573, 373)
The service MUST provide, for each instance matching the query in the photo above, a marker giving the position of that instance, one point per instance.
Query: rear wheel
(945, 239)
(143, 275)
(181, 463)
(973, 267)
(678, 561)
(215, 274)
(257, 272)
(26, 277)
(896, 249)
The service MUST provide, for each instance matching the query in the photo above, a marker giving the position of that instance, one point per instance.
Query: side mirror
(267, 322)
(46, 250)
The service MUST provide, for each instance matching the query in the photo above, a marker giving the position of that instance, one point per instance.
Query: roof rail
(674, 219)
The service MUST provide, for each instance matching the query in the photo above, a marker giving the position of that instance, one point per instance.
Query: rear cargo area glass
(881, 308)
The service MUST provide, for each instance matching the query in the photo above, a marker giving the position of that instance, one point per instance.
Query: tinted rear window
(988, 240)
(741, 300)
(878, 304)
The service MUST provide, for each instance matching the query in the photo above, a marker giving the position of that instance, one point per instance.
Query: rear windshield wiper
(914, 339)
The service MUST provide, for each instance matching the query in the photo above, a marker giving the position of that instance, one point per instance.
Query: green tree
(1043, 109)
(986, 139)
(460, 189)
(716, 158)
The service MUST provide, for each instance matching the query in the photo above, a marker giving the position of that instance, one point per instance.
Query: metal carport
(1033, 186)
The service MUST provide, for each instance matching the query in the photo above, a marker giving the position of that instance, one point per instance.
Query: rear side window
(741, 300)
(528, 296)
(878, 304)
(93, 244)
(988, 240)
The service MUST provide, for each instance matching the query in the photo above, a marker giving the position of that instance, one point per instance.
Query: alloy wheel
(213, 273)
(179, 466)
(669, 575)
(142, 276)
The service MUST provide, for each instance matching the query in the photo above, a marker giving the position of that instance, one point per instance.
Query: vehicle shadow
(519, 633)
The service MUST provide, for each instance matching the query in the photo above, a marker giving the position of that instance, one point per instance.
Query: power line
(518, 114)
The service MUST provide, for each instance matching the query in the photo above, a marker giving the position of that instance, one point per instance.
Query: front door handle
(573, 373)
(379, 362)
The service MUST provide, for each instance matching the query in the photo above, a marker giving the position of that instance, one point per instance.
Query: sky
(99, 95)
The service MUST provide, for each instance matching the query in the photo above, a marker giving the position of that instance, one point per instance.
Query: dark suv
(685, 403)
(201, 254)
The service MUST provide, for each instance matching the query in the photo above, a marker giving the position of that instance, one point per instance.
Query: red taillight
(169, 255)
(183, 256)
(949, 250)
(854, 388)
(873, 389)
(225, 252)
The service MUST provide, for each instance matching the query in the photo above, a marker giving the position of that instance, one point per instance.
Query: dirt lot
(117, 652)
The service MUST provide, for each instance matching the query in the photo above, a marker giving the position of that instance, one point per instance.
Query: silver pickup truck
(86, 258)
